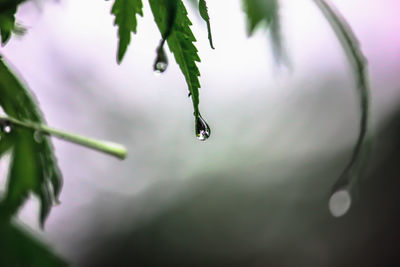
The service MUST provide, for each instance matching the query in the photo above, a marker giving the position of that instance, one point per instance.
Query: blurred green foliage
(19, 248)
(7, 23)
(33, 168)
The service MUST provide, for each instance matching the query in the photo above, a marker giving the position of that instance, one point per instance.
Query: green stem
(351, 46)
(110, 148)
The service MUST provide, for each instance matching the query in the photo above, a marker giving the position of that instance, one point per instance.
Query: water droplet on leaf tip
(203, 135)
(161, 62)
(340, 202)
(203, 131)
(160, 67)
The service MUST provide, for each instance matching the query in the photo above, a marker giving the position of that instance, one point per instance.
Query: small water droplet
(160, 67)
(190, 94)
(161, 62)
(38, 136)
(203, 131)
(339, 203)
(5, 126)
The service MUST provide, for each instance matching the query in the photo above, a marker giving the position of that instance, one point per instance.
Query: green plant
(34, 169)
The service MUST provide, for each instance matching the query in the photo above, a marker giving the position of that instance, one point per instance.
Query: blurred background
(256, 192)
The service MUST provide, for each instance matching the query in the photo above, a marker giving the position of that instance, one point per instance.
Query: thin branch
(110, 148)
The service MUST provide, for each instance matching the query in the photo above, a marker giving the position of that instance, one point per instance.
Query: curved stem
(110, 148)
(351, 46)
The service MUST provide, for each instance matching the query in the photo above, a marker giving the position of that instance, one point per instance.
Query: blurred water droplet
(203, 131)
(6, 126)
(38, 136)
(161, 62)
(160, 67)
(339, 203)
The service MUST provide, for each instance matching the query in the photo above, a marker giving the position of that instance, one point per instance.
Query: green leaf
(265, 13)
(171, 8)
(161, 62)
(258, 11)
(6, 141)
(33, 167)
(7, 22)
(204, 14)
(180, 42)
(125, 12)
(355, 56)
(18, 247)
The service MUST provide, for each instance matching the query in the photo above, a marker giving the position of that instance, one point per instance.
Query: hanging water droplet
(340, 202)
(203, 131)
(160, 67)
(161, 62)
(38, 136)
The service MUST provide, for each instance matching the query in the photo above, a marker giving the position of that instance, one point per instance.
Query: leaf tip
(119, 58)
